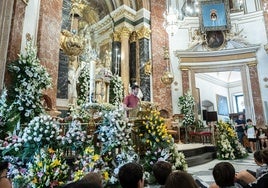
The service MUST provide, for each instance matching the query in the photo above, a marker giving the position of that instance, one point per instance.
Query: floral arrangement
(154, 131)
(116, 90)
(5, 116)
(228, 146)
(186, 104)
(158, 144)
(83, 86)
(17, 171)
(42, 130)
(75, 139)
(29, 80)
(48, 169)
(114, 132)
(114, 149)
(89, 161)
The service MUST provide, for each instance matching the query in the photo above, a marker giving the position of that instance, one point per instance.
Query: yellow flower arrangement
(154, 130)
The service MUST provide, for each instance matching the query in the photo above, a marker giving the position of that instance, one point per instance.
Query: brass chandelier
(167, 78)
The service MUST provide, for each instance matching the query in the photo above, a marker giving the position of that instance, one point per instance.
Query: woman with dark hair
(4, 181)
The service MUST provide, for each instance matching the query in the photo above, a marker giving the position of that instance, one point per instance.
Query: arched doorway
(243, 60)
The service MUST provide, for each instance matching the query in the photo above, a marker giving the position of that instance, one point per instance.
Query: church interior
(199, 64)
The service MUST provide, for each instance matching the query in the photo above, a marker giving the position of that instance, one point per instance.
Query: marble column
(256, 93)
(144, 57)
(116, 51)
(49, 41)
(124, 34)
(6, 9)
(133, 58)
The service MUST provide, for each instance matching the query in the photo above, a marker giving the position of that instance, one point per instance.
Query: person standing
(239, 127)
(131, 101)
(251, 133)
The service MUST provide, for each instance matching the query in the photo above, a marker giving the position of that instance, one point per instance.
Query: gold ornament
(167, 78)
(71, 44)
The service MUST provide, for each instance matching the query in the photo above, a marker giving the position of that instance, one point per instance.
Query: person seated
(180, 179)
(161, 170)
(262, 180)
(262, 138)
(4, 181)
(224, 176)
(131, 175)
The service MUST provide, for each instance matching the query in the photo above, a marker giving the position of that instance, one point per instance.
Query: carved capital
(116, 36)
(252, 64)
(144, 32)
(124, 32)
(184, 68)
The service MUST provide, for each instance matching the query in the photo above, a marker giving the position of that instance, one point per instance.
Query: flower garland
(228, 146)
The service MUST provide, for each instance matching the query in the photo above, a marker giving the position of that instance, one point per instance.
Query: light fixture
(167, 77)
(171, 16)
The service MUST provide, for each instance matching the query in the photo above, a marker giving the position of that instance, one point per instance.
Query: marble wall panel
(159, 38)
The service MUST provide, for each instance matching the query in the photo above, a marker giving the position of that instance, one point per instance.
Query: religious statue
(74, 70)
(148, 67)
(107, 59)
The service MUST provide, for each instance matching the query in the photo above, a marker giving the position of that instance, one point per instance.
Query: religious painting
(222, 105)
(215, 15)
(215, 40)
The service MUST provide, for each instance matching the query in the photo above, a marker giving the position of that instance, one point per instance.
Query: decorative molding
(252, 64)
(144, 32)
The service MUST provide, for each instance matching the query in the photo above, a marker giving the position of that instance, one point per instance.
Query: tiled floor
(204, 172)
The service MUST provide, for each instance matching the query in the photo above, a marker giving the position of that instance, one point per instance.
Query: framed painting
(214, 15)
(222, 105)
